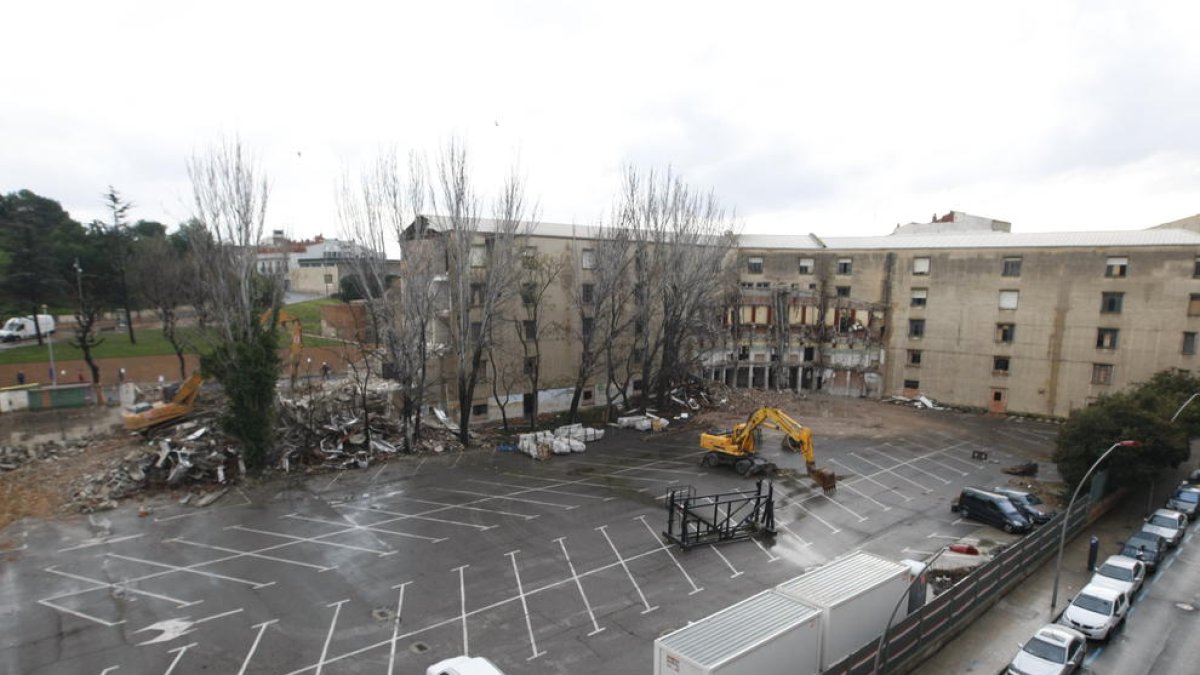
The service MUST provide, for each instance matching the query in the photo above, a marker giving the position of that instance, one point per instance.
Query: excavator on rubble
(145, 416)
(288, 320)
(737, 446)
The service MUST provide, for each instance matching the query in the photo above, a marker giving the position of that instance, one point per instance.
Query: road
(544, 567)
(1159, 635)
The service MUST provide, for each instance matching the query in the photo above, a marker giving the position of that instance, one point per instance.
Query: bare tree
(163, 274)
(536, 273)
(87, 313)
(120, 240)
(684, 239)
(230, 193)
(476, 259)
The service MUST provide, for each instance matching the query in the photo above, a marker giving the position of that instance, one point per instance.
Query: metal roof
(731, 631)
(974, 240)
(842, 579)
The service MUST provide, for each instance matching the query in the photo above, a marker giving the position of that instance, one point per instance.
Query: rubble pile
(189, 454)
(563, 440)
(13, 457)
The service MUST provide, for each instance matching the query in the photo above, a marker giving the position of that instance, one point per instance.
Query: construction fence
(919, 635)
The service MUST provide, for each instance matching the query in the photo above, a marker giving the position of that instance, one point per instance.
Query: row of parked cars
(1101, 606)
(1007, 508)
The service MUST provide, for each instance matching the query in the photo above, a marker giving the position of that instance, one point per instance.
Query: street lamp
(879, 661)
(1062, 539)
(1185, 404)
(50, 345)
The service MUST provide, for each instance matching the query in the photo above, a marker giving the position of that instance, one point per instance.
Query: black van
(991, 508)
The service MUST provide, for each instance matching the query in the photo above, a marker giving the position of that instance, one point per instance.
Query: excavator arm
(739, 443)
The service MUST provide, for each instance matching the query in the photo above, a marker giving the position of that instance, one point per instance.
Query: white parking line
(549, 490)
(645, 467)
(524, 605)
(826, 523)
(976, 465)
(603, 529)
(396, 625)
(337, 609)
(485, 497)
(371, 528)
(99, 541)
(914, 467)
(728, 564)
(248, 554)
(120, 587)
(48, 602)
(445, 506)
(109, 669)
(178, 656)
(462, 596)
(246, 501)
(695, 589)
(409, 516)
(884, 469)
(177, 568)
(578, 584)
(770, 558)
(254, 647)
(864, 495)
(787, 529)
(316, 540)
(866, 477)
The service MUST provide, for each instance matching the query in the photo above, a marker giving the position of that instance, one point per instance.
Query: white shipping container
(766, 634)
(856, 594)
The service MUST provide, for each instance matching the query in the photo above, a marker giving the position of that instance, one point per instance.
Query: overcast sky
(839, 118)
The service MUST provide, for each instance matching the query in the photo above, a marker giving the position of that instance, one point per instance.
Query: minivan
(991, 508)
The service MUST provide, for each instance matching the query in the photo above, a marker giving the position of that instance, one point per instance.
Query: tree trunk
(37, 328)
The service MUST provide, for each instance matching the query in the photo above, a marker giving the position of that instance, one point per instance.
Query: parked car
(1168, 524)
(1120, 573)
(1027, 503)
(991, 508)
(1194, 478)
(1186, 499)
(1148, 547)
(1096, 611)
(464, 665)
(1053, 650)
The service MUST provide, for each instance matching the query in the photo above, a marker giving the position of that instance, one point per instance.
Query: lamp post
(1185, 404)
(879, 660)
(1062, 538)
(50, 345)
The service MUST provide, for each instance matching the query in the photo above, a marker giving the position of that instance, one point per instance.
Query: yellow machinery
(146, 416)
(737, 446)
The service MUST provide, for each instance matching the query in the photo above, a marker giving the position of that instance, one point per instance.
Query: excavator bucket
(825, 478)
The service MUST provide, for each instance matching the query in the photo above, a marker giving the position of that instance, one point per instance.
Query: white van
(21, 327)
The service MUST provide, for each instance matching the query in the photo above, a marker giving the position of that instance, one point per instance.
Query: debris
(211, 497)
(1023, 469)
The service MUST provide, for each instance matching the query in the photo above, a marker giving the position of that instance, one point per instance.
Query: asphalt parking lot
(543, 567)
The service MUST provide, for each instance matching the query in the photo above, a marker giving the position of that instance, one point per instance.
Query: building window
(762, 284)
(754, 265)
(914, 357)
(588, 393)
(1194, 304)
(912, 384)
(1012, 267)
(1110, 303)
(919, 296)
(916, 328)
(476, 331)
(528, 293)
(843, 291)
(1196, 268)
(1102, 373)
(1006, 332)
(479, 256)
(638, 354)
(587, 260)
(1116, 268)
(587, 293)
(920, 266)
(529, 259)
(531, 365)
(530, 329)
(806, 266)
(845, 265)
(1189, 344)
(1106, 338)
(588, 323)
(479, 409)
(1008, 299)
(476, 295)
(1000, 365)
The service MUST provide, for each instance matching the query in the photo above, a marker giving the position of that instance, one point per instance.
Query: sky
(836, 118)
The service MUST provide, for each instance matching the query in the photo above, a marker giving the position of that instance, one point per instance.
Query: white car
(1053, 650)
(1096, 611)
(1121, 574)
(464, 665)
(1168, 524)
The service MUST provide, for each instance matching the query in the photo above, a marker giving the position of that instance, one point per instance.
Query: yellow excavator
(737, 446)
(145, 416)
(289, 320)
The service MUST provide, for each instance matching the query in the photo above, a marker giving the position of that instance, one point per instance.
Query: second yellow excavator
(737, 446)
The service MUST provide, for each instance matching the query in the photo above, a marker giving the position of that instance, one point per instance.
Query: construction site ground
(543, 567)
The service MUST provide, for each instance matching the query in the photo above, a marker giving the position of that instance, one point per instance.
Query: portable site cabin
(766, 634)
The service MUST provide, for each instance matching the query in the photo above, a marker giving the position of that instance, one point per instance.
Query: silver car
(1120, 573)
(1168, 524)
(1096, 611)
(1053, 650)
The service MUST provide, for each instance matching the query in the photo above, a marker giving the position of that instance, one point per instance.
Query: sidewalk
(989, 644)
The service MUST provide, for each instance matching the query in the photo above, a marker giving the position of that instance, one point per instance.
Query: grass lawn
(150, 340)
